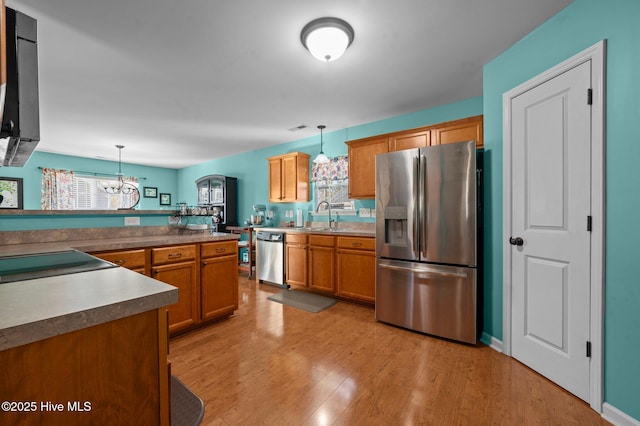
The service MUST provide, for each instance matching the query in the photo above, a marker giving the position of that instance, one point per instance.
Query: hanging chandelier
(120, 186)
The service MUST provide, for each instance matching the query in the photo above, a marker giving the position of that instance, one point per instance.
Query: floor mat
(303, 300)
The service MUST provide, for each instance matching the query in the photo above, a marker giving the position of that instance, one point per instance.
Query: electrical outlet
(132, 221)
(364, 212)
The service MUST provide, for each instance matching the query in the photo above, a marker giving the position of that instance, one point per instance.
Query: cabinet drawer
(129, 259)
(173, 254)
(223, 248)
(321, 240)
(358, 243)
(296, 238)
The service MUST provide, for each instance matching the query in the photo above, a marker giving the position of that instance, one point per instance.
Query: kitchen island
(85, 348)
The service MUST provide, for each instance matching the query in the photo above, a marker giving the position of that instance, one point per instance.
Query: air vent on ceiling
(300, 127)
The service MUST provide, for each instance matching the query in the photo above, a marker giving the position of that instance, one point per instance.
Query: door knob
(516, 241)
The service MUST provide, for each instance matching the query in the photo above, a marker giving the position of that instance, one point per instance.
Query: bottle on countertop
(299, 222)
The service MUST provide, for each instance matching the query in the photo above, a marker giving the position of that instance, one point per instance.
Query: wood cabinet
(296, 259)
(176, 265)
(344, 266)
(458, 131)
(362, 165)
(362, 152)
(206, 275)
(289, 178)
(321, 262)
(136, 260)
(218, 279)
(409, 140)
(118, 367)
(355, 267)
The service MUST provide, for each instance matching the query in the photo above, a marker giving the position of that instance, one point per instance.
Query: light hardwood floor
(276, 365)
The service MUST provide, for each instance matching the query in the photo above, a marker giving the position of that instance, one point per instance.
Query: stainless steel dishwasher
(270, 261)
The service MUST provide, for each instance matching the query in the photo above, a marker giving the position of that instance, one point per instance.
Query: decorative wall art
(10, 193)
(165, 199)
(150, 192)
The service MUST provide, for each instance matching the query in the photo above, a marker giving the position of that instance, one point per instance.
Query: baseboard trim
(491, 341)
(617, 417)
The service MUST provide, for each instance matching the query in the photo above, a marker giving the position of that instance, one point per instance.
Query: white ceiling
(182, 82)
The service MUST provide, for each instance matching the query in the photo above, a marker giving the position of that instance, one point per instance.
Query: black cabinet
(219, 194)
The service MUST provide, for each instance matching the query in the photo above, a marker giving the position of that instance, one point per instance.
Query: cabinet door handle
(221, 250)
(356, 244)
(175, 255)
(120, 262)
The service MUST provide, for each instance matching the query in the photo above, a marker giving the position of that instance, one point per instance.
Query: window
(336, 192)
(66, 190)
(90, 194)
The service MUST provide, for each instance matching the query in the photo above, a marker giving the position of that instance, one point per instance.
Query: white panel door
(550, 157)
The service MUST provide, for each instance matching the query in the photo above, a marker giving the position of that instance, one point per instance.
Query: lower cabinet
(206, 275)
(176, 265)
(356, 268)
(136, 260)
(296, 259)
(338, 265)
(321, 260)
(218, 279)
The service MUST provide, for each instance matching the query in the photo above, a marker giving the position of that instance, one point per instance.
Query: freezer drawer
(432, 299)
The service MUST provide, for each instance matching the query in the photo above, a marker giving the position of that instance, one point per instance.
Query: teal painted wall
(580, 25)
(166, 180)
(251, 168)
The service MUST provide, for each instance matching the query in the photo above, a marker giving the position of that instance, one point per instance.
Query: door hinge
(588, 349)
(589, 96)
(589, 223)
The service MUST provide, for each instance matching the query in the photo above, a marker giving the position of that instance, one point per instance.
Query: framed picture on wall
(165, 199)
(10, 193)
(150, 192)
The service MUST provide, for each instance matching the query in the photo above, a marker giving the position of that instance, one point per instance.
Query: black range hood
(20, 131)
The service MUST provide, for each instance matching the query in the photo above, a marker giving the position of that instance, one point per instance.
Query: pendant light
(122, 187)
(321, 158)
(327, 38)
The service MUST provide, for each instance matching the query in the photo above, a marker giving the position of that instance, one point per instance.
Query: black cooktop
(31, 266)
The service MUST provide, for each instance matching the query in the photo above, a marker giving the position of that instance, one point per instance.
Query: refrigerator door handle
(422, 207)
(417, 190)
(423, 271)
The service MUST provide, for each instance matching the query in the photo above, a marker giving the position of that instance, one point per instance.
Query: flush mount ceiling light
(327, 38)
(321, 158)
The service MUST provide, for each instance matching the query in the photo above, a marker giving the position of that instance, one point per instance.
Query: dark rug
(303, 300)
(187, 409)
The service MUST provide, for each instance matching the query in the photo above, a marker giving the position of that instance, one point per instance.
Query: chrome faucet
(329, 207)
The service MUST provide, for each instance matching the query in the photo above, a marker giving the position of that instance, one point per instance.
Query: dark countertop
(105, 244)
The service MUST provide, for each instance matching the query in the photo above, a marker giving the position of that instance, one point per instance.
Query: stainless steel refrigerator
(427, 216)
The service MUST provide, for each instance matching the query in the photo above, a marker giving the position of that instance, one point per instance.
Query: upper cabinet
(362, 165)
(289, 178)
(467, 129)
(408, 140)
(362, 152)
